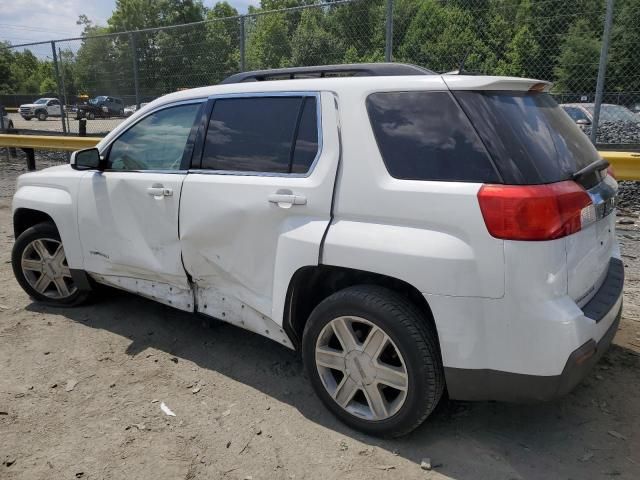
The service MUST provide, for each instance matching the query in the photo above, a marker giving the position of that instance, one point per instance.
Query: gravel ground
(81, 389)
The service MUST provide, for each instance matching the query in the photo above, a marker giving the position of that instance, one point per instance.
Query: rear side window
(426, 136)
(529, 137)
(262, 134)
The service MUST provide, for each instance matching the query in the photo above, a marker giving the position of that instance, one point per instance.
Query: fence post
(388, 47)
(60, 98)
(64, 90)
(602, 68)
(134, 59)
(242, 66)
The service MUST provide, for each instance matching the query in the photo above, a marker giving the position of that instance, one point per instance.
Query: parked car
(100, 106)
(582, 113)
(402, 229)
(41, 109)
(131, 109)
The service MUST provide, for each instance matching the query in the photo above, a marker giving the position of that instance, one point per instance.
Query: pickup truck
(100, 106)
(41, 109)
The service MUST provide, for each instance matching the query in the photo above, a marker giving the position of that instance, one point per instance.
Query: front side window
(157, 142)
(426, 136)
(262, 134)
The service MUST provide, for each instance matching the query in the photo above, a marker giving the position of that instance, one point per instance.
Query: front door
(257, 206)
(128, 214)
(53, 108)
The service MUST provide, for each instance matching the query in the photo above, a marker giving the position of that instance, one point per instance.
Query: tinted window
(306, 147)
(426, 136)
(529, 137)
(157, 142)
(259, 134)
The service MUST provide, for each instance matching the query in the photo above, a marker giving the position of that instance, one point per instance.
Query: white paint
(500, 305)
(125, 232)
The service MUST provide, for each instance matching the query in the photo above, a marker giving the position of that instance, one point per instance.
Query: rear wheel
(373, 360)
(40, 266)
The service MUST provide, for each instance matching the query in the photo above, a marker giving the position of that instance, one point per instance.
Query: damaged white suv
(408, 232)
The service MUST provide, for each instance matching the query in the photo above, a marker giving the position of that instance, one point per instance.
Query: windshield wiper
(591, 168)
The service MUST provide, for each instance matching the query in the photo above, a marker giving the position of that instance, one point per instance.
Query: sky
(24, 21)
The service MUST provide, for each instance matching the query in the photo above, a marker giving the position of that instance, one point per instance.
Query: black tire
(121, 113)
(42, 115)
(411, 333)
(40, 231)
(90, 115)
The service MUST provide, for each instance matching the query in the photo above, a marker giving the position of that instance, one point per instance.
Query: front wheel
(373, 360)
(40, 266)
(90, 116)
(42, 116)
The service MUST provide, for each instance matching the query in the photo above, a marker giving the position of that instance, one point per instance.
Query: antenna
(464, 59)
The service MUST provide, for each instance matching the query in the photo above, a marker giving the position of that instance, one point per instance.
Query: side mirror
(583, 122)
(88, 159)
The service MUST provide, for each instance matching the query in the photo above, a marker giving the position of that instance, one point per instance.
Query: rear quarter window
(427, 136)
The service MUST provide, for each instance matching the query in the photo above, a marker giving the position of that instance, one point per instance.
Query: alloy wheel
(44, 265)
(361, 368)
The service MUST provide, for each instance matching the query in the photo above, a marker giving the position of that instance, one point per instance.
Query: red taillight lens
(535, 212)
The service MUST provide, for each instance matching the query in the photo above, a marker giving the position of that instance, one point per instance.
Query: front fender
(58, 204)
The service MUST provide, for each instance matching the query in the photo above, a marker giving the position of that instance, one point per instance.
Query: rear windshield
(530, 138)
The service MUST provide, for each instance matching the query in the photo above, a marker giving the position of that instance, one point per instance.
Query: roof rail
(354, 69)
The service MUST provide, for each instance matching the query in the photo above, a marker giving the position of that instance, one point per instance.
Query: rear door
(128, 214)
(257, 202)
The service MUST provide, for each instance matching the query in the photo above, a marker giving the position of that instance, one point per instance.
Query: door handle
(159, 191)
(286, 200)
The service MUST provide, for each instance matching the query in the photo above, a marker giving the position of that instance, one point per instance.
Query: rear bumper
(486, 384)
(471, 384)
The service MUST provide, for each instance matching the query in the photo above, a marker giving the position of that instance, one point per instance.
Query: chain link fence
(556, 40)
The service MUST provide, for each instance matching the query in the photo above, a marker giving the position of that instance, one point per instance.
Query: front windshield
(93, 101)
(615, 113)
(40, 101)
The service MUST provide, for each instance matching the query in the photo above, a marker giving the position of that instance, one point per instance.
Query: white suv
(408, 232)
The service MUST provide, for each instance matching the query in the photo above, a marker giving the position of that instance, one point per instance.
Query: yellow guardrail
(626, 165)
(48, 142)
(11, 109)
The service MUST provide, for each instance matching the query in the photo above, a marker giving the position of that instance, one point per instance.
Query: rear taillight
(535, 212)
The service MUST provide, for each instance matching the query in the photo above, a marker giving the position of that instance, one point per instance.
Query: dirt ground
(81, 389)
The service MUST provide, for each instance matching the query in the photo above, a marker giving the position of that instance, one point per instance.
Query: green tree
(577, 65)
(623, 71)
(439, 36)
(267, 43)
